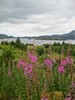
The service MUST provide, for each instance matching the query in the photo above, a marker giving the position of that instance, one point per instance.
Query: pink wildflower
(61, 69)
(69, 60)
(21, 63)
(63, 62)
(28, 69)
(73, 85)
(68, 98)
(32, 57)
(48, 62)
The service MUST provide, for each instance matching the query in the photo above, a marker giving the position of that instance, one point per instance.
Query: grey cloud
(21, 9)
(48, 16)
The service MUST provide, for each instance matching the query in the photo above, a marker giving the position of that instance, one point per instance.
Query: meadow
(29, 72)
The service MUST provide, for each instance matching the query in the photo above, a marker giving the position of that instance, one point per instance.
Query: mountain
(5, 36)
(70, 35)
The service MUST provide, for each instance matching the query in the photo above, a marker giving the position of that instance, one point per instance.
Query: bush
(5, 42)
(46, 45)
(40, 50)
(56, 44)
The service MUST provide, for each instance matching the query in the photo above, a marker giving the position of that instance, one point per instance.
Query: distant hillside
(70, 35)
(5, 36)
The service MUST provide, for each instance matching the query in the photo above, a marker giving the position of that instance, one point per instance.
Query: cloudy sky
(36, 17)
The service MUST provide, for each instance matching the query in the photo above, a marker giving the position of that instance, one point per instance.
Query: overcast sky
(36, 17)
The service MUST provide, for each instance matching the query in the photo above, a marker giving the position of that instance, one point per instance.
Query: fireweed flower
(73, 85)
(63, 62)
(61, 69)
(48, 62)
(69, 60)
(28, 69)
(68, 98)
(21, 63)
(32, 57)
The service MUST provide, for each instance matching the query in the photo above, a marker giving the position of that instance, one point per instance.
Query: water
(38, 42)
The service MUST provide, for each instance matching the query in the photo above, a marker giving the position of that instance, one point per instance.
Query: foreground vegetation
(29, 72)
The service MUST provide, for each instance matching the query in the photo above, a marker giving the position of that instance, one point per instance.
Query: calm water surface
(38, 42)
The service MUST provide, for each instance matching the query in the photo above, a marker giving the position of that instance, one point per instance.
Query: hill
(70, 35)
(5, 36)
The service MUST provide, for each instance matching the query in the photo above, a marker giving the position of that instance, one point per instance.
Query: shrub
(46, 45)
(40, 50)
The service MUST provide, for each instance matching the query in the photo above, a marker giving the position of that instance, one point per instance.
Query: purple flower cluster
(27, 65)
(21, 63)
(73, 85)
(63, 63)
(33, 58)
(27, 68)
(61, 69)
(69, 60)
(48, 62)
(68, 98)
